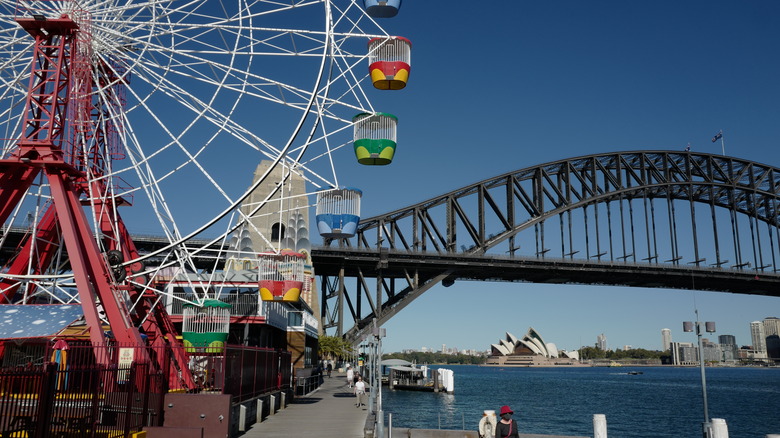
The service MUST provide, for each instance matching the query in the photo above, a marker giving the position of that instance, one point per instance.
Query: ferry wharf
(330, 412)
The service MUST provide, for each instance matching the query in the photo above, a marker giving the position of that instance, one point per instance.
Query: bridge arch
(648, 218)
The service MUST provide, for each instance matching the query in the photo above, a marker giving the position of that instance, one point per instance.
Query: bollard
(242, 418)
(719, 429)
(599, 426)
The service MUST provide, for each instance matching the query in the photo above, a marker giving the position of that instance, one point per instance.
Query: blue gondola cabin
(382, 8)
(389, 62)
(338, 212)
(375, 138)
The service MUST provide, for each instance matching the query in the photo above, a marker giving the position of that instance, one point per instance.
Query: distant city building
(626, 347)
(757, 336)
(728, 344)
(601, 342)
(772, 334)
(666, 339)
(684, 353)
(712, 351)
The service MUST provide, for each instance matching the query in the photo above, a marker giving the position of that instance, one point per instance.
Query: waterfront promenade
(328, 412)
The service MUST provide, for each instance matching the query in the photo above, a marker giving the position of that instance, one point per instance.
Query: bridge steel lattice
(647, 219)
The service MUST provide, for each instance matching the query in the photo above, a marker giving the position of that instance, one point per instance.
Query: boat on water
(404, 375)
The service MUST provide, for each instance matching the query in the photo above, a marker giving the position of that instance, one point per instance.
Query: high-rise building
(728, 343)
(772, 334)
(601, 342)
(666, 339)
(771, 326)
(757, 336)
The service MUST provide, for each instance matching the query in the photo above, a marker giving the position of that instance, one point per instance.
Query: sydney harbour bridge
(655, 219)
(645, 219)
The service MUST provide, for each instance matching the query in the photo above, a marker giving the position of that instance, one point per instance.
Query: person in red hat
(507, 427)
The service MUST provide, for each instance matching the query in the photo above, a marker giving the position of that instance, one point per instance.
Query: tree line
(431, 358)
(587, 353)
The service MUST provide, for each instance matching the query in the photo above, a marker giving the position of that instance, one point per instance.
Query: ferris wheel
(151, 117)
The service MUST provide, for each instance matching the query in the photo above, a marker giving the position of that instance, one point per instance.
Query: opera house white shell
(530, 350)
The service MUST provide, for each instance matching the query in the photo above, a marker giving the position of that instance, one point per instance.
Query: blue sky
(495, 87)
(499, 86)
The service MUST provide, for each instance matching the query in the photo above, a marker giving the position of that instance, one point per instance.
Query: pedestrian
(330, 369)
(360, 392)
(350, 376)
(506, 427)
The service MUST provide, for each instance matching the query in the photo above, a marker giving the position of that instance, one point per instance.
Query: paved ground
(328, 412)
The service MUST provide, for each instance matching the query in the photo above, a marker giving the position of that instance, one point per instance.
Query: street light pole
(710, 328)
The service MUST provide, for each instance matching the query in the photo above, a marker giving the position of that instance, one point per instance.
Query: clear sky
(499, 86)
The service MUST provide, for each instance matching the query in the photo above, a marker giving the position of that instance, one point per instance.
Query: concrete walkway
(328, 412)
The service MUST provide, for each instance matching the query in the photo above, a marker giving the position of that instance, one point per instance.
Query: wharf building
(529, 351)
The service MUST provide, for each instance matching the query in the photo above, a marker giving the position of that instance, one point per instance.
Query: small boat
(634, 373)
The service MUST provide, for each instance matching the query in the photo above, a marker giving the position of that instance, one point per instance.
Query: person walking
(506, 427)
(360, 392)
(330, 369)
(350, 376)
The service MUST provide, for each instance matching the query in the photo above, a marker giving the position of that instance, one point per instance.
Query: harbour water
(662, 402)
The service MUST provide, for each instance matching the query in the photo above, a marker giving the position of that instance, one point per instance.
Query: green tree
(334, 348)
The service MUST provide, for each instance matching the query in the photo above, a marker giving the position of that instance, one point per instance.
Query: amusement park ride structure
(72, 177)
(72, 130)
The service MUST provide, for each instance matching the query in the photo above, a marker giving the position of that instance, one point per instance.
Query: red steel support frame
(41, 150)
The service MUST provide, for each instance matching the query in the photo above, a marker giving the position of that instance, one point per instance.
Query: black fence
(96, 401)
(48, 392)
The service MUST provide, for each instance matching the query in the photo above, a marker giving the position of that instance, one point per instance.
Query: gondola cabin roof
(406, 40)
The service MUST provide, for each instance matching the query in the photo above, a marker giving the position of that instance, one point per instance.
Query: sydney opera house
(529, 351)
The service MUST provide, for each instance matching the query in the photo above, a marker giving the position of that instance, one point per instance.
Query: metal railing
(49, 401)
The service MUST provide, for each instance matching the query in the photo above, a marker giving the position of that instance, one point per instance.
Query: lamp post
(375, 373)
(710, 328)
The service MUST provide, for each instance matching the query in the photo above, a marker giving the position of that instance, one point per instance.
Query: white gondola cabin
(281, 276)
(389, 62)
(338, 212)
(375, 138)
